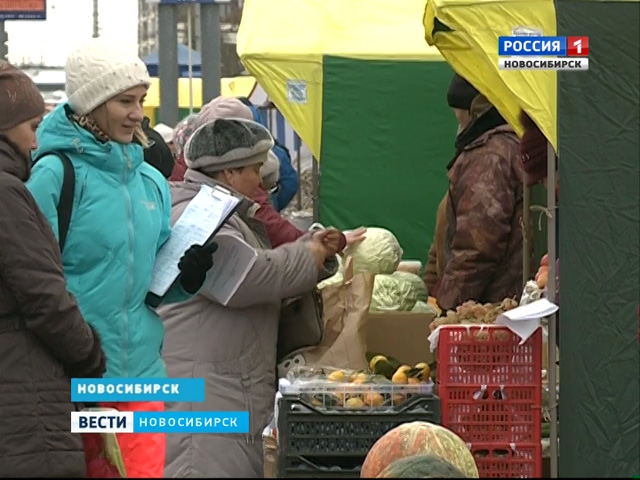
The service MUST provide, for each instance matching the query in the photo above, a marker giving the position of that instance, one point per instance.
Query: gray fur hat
(227, 143)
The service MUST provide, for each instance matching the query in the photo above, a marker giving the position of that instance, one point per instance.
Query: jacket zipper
(246, 382)
(125, 309)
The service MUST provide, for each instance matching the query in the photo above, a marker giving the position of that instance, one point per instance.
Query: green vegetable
(424, 307)
(392, 294)
(379, 252)
(417, 282)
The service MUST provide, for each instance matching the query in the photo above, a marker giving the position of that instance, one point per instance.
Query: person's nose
(137, 115)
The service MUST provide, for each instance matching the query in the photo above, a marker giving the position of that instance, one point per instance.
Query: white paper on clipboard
(202, 218)
(232, 261)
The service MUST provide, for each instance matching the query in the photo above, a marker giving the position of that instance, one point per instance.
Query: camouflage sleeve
(483, 202)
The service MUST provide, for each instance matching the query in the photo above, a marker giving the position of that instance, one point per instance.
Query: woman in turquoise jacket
(119, 220)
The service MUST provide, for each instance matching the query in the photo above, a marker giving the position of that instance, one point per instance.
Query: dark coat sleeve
(31, 269)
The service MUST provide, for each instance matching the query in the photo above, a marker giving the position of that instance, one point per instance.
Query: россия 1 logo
(543, 53)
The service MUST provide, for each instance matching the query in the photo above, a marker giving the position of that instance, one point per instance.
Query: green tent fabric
(598, 117)
(387, 137)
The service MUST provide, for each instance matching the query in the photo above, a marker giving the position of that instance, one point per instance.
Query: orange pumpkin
(415, 438)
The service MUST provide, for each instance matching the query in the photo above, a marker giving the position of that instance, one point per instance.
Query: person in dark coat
(44, 340)
(158, 154)
(483, 233)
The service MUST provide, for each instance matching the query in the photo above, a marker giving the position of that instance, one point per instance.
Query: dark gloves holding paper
(194, 265)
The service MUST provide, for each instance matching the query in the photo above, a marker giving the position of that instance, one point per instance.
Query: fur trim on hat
(227, 143)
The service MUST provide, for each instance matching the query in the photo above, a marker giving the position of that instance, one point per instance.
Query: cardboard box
(402, 335)
(270, 451)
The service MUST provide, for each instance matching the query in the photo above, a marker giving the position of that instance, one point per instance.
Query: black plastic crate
(318, 443)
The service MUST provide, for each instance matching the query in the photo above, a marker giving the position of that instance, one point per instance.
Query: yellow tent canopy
(229, 87)
(282, 43)
(466, 33)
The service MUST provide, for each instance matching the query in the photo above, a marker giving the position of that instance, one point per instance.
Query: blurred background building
(230, 15)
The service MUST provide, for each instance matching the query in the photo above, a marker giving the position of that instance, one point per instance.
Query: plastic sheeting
(282, 43)
(599, 114)
(388, 135)
(466, 33)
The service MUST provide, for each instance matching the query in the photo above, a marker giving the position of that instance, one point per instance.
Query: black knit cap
(461, 93)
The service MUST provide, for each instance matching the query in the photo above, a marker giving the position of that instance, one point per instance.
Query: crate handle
(323, 469)
(410, 403)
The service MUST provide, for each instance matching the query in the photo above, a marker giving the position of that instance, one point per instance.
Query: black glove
(94, 365)
(194, 265)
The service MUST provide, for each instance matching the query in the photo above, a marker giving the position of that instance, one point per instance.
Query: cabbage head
(392, 294)
(424, 307)
(417, 282)
(379, 252)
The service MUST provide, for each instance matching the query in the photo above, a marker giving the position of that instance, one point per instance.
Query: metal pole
(527, 241)
(168, 63)
(4, 49)
(315, 188)
(96, 23)
(299, 163)
(189, 7)
(198, 46)
(210, 29)
(551, 295)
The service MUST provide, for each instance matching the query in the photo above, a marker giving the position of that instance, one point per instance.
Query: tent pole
(299, 163)
(189, 7)
(526, 238)
(551, 295)
(314, 181)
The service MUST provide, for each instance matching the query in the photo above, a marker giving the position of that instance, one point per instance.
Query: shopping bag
(301, 324)
(103, 458)
(345, 313)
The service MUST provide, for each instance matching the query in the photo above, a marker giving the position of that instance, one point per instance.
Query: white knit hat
(165, 131)
(98, 71)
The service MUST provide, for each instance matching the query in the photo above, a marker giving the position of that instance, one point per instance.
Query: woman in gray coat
(233, 345)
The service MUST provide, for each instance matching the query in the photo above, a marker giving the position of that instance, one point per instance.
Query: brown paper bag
(345, 315)
(270, 452)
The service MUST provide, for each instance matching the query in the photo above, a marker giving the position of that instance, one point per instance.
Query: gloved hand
(194, 265)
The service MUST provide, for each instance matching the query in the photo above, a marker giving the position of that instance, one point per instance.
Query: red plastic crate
(508, 461)
(487, 355)
(492, 415)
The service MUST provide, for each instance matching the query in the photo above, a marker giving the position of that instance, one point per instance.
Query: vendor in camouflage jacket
(483, 233)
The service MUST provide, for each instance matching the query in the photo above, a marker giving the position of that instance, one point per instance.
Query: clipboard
(199, 223)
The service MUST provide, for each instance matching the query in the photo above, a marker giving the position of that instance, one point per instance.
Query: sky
(70, 22)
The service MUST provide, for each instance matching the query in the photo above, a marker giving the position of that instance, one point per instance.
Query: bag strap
(65, 204)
